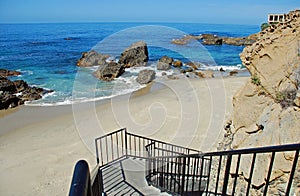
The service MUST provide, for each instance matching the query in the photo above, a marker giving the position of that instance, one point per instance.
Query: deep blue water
(47, 60)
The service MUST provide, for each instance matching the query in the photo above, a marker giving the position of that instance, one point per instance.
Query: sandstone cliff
(267, 109)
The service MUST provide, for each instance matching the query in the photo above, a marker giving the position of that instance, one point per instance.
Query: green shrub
(255, 80)
(263, 26)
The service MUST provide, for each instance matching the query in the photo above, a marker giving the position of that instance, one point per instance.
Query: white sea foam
(25, 72)
(225, 67)
(120, 86)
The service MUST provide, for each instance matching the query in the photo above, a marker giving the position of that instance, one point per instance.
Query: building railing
(183, 171)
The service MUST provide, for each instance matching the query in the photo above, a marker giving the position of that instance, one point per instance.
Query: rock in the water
(194, 65)
(135, 55)
(7, 73)
(21, 85)
(14, 93)
(92, 58)
(211, 39)
(109, 71)
(177, 63)
(166, 59)
(7, 86)
(163, 66)
(145, 76)
(164, 63)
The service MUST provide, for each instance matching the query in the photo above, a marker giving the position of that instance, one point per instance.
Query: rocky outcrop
(7, 73)
(15, 93)
(265, 111)
(164, 63)
(92, 58)
(135, 55)
(109, 71)
(211, 39)
(145, 76)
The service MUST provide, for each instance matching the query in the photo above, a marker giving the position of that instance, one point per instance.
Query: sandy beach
(40, 145)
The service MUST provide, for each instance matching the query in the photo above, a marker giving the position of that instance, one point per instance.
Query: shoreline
(40, 145)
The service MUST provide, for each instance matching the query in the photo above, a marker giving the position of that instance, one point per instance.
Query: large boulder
(109, 71)
(164, 63)
(92, 58)
(145, 76)
(135, 55)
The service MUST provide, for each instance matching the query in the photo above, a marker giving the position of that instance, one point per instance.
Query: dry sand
(40, 145)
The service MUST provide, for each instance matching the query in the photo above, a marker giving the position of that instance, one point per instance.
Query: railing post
(97, 152)
(226, 175)
(126, 147)
(183, 176)
(100, 177)
(288, 188)
(269, 173)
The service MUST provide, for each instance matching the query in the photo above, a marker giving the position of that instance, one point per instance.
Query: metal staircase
(129, 164)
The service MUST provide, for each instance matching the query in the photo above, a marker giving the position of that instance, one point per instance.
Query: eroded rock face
(135, 55)
(265, 112)
(145, 76)
(92, 58)
(109, 71)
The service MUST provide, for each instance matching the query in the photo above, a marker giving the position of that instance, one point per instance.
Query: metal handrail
(177, 169)
(81, 181)
(159, 166)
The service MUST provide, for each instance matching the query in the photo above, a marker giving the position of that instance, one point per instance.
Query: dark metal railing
(175, 172)
(119, 144)
(216, 173)
(229, 165)
(183, 171)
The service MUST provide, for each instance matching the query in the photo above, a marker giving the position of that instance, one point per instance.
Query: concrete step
(127, 177)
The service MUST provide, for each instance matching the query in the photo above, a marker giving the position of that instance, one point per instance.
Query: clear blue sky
(209, 11)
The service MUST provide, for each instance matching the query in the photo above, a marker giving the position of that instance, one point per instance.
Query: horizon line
(150, 22)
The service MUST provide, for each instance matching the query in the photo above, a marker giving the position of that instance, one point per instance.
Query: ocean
(46, 54)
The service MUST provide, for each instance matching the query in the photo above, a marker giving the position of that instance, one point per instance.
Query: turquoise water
(46, 59)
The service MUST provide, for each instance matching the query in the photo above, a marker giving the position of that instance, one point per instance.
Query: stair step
(127, 177)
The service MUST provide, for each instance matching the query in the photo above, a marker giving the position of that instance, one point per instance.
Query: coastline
(41, 144)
